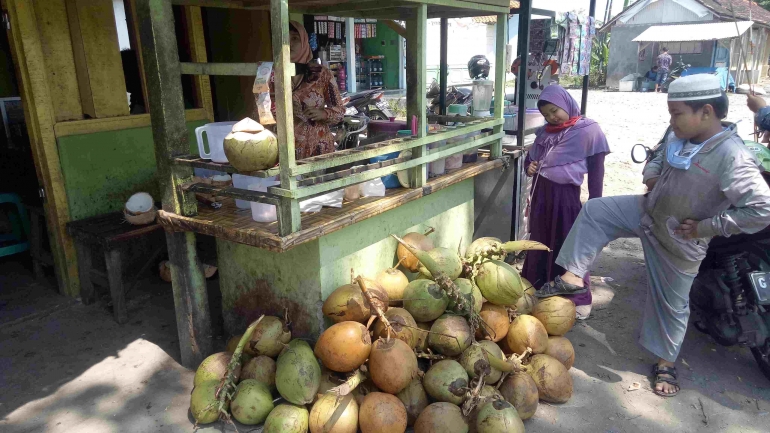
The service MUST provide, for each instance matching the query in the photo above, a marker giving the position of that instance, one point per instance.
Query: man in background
(664, 64)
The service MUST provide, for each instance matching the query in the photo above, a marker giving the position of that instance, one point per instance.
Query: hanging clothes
(577, 44)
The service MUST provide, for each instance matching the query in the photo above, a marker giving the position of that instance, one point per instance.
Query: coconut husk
(165, 271)
(140, 218)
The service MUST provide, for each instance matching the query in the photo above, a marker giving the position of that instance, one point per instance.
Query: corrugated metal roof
(693, 32)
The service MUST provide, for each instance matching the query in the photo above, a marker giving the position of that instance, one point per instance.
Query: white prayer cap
(695, 87)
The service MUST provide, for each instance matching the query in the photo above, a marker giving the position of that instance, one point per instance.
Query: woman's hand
(316, 114)
(532, 169)
(688, 229)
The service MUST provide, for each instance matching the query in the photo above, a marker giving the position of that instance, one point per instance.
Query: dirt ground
(66, 367)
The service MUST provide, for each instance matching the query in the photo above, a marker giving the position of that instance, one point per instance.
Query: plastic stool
(18, 240)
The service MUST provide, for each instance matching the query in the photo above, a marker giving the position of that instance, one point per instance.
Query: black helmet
(478, 67)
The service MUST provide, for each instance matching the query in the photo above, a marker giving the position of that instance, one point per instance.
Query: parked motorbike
(675, 72)
(731, 294)
(370, 102)
(348, 132)
(454, 95)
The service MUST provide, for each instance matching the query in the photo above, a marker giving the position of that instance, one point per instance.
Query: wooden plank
(289, 218)
(170, 137)
(429, 156)
(237, 193)
(59, 59)
(496, 149)
(231, 69)
(29, 58)
(114, 261)
(494, 6)
(415, 87)
(229, 224)
(136, 40)
(97, 58)
(85, 265)
(90, 126)
(201, 83)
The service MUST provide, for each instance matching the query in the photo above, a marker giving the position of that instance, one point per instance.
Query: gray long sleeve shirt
(723, 189)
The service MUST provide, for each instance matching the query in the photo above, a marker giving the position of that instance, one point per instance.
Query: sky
(571, 5)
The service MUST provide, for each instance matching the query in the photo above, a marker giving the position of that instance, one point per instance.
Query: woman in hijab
(316, 100)
(566, 149)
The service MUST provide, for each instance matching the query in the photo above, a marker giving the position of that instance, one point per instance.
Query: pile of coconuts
(461, 344)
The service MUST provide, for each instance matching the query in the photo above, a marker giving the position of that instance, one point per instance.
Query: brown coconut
(402, 326)
(557, 314)
(520, 390)
(344, 346)
(261, 369)
(269, 338)
(561, 349)
(441, 417)
(347, 303)
(393, 282)
(527, 331)
(554, 383)
(496, 319)
(382, 413)
(392, 365)
(418, 241)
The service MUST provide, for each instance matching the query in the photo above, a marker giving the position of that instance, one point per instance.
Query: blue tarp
(724, 75)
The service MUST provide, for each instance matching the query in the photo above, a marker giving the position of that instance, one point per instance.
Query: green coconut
(248, 151)
(489, 392)
(520, 390)
(498, 416)
(261, 369)
(446, 381)
(475, 360)
(446, 260)
(470, 292)
(287, 418)
(527, 302)
(214, 367)
(414, 398)
(402, 324)
(450, 335)
(484, 245)
(269, 337)
(204, 405)
(421, 344)
(252, 402)
(297, 373)
(425, 300)
(441, 417)
(499, 282)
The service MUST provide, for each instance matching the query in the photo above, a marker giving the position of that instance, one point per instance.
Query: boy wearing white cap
(703, 182)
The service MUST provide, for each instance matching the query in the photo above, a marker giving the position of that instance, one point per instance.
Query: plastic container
(438, 167)
(205, 172)
(391, 180)
(215, 134)
(483, 91)
(262, 212)
(245, 182)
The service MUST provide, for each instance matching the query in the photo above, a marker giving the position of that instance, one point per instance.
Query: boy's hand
(532, 169)
(651, 183)
(688, 229)
(755, 102)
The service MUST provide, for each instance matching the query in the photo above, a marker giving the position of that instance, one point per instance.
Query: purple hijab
(570, 145)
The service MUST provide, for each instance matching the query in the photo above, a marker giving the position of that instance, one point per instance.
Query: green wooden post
(496, 149)
(289, 220)
(169, 132)
(416, 35)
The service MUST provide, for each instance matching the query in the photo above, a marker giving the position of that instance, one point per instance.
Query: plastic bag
(373, 188)
(312, 205)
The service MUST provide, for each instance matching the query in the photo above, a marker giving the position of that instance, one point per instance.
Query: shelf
(197, 162)
(235, 225)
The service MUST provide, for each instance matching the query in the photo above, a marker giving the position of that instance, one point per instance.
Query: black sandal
(671, 371)
(559, 287)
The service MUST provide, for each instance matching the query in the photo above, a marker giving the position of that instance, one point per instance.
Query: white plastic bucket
(262, 212)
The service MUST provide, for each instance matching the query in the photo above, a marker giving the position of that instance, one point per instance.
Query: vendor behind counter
(316, 99)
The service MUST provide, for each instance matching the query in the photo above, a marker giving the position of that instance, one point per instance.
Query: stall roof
(694, 32)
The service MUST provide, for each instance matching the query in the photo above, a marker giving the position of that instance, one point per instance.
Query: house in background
(690, 42)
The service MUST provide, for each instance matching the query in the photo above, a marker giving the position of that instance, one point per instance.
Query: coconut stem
(472, 397)
(430, 230)
(376, 305)
(507, 366)
(228, 384)
(422, 256)
(513, 246)
(355, 379)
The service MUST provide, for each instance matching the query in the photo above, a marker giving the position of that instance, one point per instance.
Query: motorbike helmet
(478, 67)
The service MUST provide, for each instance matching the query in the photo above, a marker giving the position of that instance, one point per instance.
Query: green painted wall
(255, 281)
(102, 170)
(386, 44)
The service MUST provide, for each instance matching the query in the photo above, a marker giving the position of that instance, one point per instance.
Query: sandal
(559, 287)
(671, 371)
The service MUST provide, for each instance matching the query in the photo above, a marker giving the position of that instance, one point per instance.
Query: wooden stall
(296, 262)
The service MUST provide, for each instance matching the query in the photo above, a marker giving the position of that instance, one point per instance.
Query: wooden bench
(111, 234)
